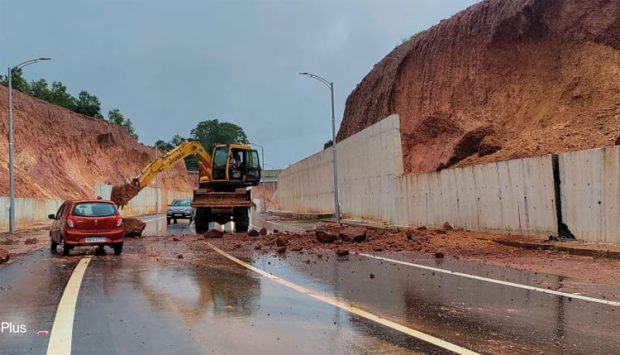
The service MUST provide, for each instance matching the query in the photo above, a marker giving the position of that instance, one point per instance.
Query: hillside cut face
(503, 79)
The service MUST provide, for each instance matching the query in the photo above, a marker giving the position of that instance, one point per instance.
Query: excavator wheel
(202, 219)
(242, 219)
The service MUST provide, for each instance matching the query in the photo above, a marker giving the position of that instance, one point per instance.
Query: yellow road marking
(347, 307)
(62, 329)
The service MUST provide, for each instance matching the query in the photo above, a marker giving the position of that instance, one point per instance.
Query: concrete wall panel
(590, 193)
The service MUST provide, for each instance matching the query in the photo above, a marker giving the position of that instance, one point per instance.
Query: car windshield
(181, 203)
(94, 209)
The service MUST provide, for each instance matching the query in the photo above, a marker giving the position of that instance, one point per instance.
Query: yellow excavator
(222, 194)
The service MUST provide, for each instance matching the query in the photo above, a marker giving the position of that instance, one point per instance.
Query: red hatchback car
(87, 222)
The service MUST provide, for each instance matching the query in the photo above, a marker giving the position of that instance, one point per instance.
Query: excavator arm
(172, 157)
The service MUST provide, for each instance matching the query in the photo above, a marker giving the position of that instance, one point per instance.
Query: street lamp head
(45, 58)
(304, 73)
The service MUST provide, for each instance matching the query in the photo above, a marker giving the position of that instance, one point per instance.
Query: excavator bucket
(209, 199)
(121, 194)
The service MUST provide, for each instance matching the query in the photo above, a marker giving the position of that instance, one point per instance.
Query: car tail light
(119, 220)
(70, 222)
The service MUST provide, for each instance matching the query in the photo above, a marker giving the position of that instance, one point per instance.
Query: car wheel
(118, 248)
(53, 246)
(65, 249)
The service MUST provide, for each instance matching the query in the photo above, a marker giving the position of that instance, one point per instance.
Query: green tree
(88, 105)
(116, 117)
(212, 132)
(61, 97)
(40, 90)
(164, 146)
(18, 82)
(177, 140)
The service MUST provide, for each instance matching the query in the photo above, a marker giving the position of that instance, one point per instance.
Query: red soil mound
(60, 154)
(535, 76)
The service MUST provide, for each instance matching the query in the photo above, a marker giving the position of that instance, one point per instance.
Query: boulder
(4, 256)
(326, 236)
(133, 227)
(354, 234)
(253, 233)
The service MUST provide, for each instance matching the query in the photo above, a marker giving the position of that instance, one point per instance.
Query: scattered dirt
(121, 194)
(31, 241)
(133, 227)
(79, 152)
(263, 231)
(447, 226)
(4, 256)
(617, 141)
(213, 233)
(437, 244)
(539, 74)
(7, 241)
(372, 276)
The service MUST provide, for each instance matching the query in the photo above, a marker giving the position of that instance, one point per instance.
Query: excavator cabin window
(243, 164)
(220, 157)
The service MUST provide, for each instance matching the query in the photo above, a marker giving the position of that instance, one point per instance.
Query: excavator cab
(236, 165)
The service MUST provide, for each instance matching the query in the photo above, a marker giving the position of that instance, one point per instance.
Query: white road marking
(62, 329)
(347, 307)
(495, 281)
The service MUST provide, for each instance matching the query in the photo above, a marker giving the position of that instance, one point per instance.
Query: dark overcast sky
(170, 64)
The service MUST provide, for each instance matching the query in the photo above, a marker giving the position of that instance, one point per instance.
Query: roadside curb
(583, 251)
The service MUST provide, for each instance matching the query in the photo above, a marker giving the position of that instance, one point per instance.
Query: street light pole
(12, 142)
(330, 85)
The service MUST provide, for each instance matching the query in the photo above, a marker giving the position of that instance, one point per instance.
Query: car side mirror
(51, 216)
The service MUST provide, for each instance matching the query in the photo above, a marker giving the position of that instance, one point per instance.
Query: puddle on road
(228, 309)
(493, 317)
(157, 226)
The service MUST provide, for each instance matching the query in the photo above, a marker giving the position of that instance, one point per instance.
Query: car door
(55, 229)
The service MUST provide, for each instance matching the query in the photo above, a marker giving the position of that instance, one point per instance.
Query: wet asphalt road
(132, 304)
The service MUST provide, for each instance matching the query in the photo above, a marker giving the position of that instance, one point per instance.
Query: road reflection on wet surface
(139, 304)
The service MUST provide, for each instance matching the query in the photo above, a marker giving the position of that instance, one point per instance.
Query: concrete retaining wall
(28, 212)
(590, 193)
(511, 196)
(368, 162)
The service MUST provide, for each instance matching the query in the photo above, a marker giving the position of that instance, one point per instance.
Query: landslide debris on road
(503, 79)
(429, 244)
(133, 227)
(63, 155)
